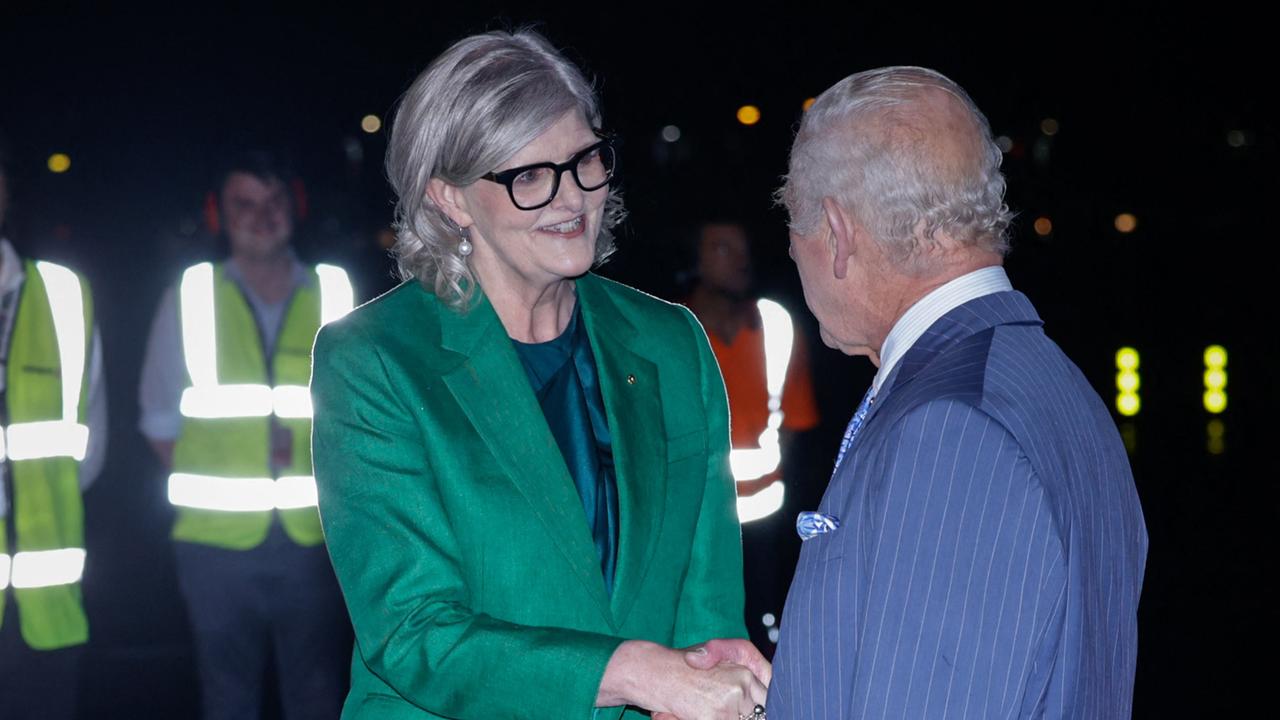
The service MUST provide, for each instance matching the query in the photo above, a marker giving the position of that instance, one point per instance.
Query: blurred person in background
(53, 435)
(765, 363)
(224, 404)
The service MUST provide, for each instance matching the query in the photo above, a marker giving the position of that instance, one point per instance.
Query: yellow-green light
(1128, 404)
(1128, 382)
(1215, 401)
(1216, 429)
(1215, 379)
(1215, 356)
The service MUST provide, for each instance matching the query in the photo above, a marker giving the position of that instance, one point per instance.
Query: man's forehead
(723, 232)
(245, 183)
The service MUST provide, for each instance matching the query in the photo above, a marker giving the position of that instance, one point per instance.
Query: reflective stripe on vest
(206, 398)
(752, 463)
(42, 568)
(233, 401)
(763, 504)
(211, 492)
(66, 437)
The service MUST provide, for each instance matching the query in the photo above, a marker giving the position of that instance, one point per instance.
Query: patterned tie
(855, 424)
(810, 524)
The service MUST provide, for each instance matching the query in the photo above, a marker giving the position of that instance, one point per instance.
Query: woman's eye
(530, 176)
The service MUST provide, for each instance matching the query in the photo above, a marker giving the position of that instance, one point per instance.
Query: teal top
(563, 375)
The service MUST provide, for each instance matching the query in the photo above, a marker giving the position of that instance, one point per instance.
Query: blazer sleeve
(711, 599)
(397, 560)
(965, 578)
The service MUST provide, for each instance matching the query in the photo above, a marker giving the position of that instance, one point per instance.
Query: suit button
(631, 379)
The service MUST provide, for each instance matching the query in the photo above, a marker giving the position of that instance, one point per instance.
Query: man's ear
(450, 200)
(842, 228)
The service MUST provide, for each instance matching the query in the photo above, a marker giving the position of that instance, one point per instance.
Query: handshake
(721, 679)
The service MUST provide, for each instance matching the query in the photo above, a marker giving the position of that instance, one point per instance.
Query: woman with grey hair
(522, 467)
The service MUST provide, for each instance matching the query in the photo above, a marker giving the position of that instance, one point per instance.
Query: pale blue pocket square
(811, 524)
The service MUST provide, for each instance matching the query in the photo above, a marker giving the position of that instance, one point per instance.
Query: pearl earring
(464, 245)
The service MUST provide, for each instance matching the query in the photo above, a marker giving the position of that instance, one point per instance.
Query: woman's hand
(724, 691)
(660, 680)
(707, 655)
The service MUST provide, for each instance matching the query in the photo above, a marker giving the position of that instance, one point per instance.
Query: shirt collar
(301, 276)
(928, 309)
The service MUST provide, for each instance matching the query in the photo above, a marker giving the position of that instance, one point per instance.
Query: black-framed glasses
(534, 186)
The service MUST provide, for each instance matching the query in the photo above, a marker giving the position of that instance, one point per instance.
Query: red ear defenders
(213, 214)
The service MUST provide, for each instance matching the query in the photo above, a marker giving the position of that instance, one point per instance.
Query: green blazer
(455, 528)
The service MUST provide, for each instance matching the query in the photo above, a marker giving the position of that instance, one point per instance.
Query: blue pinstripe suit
(992, 546)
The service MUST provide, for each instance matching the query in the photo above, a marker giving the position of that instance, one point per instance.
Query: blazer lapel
(629, 384)
(491, 387)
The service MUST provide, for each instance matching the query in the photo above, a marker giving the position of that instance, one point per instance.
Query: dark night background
(1164, 116)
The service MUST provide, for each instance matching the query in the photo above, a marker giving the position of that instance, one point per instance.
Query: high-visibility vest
(751, 463)
(222, 481)
(46, 437)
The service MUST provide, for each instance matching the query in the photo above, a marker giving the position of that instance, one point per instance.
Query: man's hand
(711, 653)
(707, 655)
(163, 450)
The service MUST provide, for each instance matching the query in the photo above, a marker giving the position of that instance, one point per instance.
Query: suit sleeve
(398, 562)
(711, 600)
(965, 582)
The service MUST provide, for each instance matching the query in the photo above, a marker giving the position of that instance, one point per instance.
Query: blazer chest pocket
(687, 445)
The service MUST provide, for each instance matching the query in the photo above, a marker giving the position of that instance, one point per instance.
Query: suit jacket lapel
(493, 390)
(632, 398)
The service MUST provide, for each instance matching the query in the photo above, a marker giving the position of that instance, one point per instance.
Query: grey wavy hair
(863, 144)
(474, 107)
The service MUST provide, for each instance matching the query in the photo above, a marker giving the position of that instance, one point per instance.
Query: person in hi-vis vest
(225, 404)
(53, 433)
(765, 364)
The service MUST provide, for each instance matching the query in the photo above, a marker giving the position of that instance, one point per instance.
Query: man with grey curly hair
(980, 548)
